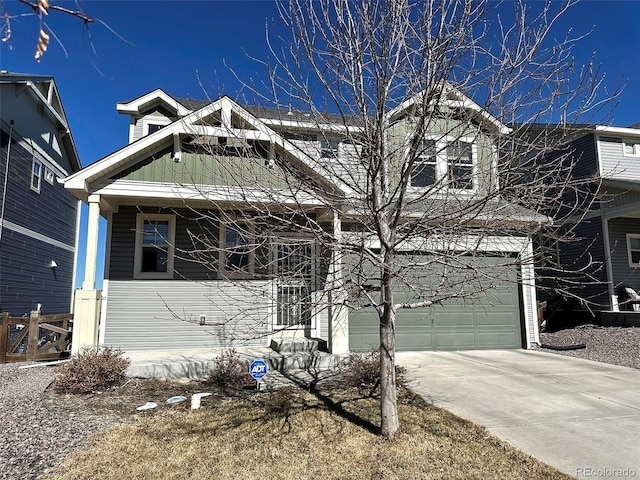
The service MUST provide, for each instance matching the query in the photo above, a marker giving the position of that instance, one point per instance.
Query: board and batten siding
(615, 164)
(165, 314)
(623, 273)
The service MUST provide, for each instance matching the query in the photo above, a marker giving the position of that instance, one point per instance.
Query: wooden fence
(35, 338)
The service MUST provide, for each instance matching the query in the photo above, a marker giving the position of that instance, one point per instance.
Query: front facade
(38, 217)
(203, 249)
(607, 245)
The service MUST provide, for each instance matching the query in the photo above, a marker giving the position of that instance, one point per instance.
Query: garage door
(490, 319)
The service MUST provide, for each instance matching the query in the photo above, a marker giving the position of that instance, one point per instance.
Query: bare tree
(411, 181)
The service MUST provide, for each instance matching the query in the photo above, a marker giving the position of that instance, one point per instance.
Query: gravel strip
(616, 345)
(36, 433)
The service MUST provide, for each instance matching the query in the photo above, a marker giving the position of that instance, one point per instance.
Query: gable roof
(455, 98)
(191, 124)
(44, 88)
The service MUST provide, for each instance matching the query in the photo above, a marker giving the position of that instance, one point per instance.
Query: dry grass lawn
(297, 435)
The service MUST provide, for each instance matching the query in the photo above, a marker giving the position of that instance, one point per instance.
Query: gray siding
(623, 274)
(583, 260)
(614, 163)
(164, 315)
(26, 277)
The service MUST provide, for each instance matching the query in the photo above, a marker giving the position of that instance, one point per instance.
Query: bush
(92, 370)
(280, 401)
(229, 371)
(363, 371)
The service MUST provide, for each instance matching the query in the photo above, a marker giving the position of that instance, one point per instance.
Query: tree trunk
(390, 423)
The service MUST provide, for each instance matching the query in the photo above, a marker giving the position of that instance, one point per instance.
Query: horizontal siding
(52, 212)
(623, 274)
(615, 197)
(583, 261)
(26, 277)
(163, 315)
(614, 163)
(584, 156)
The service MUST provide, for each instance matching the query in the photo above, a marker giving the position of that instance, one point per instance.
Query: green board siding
(488, 320)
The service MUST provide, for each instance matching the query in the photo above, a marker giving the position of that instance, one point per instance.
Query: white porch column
(338, 312)
(91, 258)
(87, 301)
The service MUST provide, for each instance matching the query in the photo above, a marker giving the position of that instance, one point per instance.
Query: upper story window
(329, 147)
(631, 149)
(448, 163)
(36, 175)
(49, 176)
(154, 127)
(154, 254)
(633, 249)
(237, 252)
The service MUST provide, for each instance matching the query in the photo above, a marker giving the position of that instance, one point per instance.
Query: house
(607, 246)
(38, 217)
(203, 248)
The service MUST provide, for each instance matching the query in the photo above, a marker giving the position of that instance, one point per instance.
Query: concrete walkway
(579, 416)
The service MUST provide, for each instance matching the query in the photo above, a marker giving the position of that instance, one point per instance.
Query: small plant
(229, 371)
(281, 401)
(92, 370)
(363, 371)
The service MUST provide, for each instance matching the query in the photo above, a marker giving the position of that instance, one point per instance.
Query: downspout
(75, 255)
(6, 179)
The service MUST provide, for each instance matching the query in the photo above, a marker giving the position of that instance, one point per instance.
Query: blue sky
(170, 44)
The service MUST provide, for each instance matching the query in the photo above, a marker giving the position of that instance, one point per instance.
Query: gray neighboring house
(38, 217)
(154, 190)
(608, 236)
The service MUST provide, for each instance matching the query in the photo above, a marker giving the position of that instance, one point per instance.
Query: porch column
(86, 309)
(338, 312)
(91, 258)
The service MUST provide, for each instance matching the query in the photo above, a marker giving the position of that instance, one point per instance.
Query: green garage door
(490, 319)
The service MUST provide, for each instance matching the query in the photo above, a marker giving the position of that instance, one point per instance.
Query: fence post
(32, 345)
(4, 337)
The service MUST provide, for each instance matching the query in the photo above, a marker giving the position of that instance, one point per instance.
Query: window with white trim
(631, 149)
(49, 176)
(633, 249)
(154, 254)
(237, 252)
(449, 163)
(36, 175)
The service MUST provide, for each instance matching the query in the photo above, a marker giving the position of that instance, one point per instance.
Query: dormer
(151, 112)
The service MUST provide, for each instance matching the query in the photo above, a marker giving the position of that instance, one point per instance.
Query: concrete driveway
(582, 417)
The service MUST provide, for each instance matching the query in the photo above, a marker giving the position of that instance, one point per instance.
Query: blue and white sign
(258, 369)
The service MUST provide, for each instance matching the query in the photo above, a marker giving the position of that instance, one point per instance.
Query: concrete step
(291, 345)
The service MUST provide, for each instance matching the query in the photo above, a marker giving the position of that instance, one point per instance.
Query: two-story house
(606, 249)
(203, 250)
(38, 217)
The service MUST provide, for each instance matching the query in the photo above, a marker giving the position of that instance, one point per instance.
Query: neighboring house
(606, 249)
(38, 217)
(170, 198)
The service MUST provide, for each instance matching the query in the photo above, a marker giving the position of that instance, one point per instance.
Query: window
(631, 149)
(49, 176)
(449, 163)
(460, 165)
(329, 147)
(237, 258)
(154, 127)
(154, 246)
(633, 249)
(36, 175)
(424, 170)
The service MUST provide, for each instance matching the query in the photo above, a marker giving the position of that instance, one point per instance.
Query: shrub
(92, 370)
(363, 370)
(229, 371)
(280, 401)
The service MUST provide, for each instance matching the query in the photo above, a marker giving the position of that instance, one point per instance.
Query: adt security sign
(258, 369)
